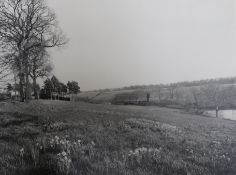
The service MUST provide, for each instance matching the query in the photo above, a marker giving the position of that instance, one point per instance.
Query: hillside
(181, 94)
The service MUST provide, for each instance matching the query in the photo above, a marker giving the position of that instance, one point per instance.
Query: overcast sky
(116, 43)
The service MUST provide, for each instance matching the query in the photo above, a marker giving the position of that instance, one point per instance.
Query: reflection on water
(226, 114)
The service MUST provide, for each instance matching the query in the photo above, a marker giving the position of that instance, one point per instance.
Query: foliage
(47, 88)
(53, 85)
(63, 88)
(56, 84)
(9, 87)
(73, 87)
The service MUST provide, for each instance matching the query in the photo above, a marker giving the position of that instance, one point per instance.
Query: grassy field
(55, 137)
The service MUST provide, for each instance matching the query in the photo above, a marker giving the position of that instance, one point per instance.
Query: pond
(226, 114)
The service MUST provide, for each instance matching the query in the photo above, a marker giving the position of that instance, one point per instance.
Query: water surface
(226, 114)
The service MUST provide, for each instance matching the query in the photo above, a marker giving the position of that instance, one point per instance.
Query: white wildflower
(22, 151)
(64, 153)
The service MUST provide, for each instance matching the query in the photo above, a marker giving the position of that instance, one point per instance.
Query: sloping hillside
(192, 94)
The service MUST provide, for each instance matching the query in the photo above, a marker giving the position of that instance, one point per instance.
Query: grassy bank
(54, 137)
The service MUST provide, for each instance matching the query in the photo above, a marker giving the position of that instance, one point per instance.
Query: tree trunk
(21, 83)
(27, 88)
(51, 94)
(21, 76)
(217, 111)
(148, 97)
(15, 86)
(35, 88)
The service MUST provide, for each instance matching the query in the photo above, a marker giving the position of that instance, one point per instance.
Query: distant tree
(181, 96)
(9, 87)
(73, 87)
(212, 96)
(48, 88)
(53, 85)
(196, 94)
(56, 84)
(148, 96)
(172, 89)
(63, 88)
(16, 87)
(218, 96)
(160, 93)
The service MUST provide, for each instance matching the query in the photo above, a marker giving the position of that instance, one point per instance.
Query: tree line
(219, 81)
(52, 88)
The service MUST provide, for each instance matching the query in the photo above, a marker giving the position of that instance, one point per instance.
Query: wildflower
(22, 151)
(57, 139)
(59, 154)
(51, 142)
(64, 153)
(62, 142)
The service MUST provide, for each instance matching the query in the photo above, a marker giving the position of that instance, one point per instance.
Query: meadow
(68, 138)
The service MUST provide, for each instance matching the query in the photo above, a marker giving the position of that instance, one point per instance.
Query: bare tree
(196, 94)
(172, 89)
(212, 96)
(218, 96)
(160, 93)
(26, 25)
(40, 67)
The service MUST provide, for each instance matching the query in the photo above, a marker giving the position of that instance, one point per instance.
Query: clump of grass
(150, 124)
(55, 155)
(55, 126)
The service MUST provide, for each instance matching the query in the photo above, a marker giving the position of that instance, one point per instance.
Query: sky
(117, 43)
